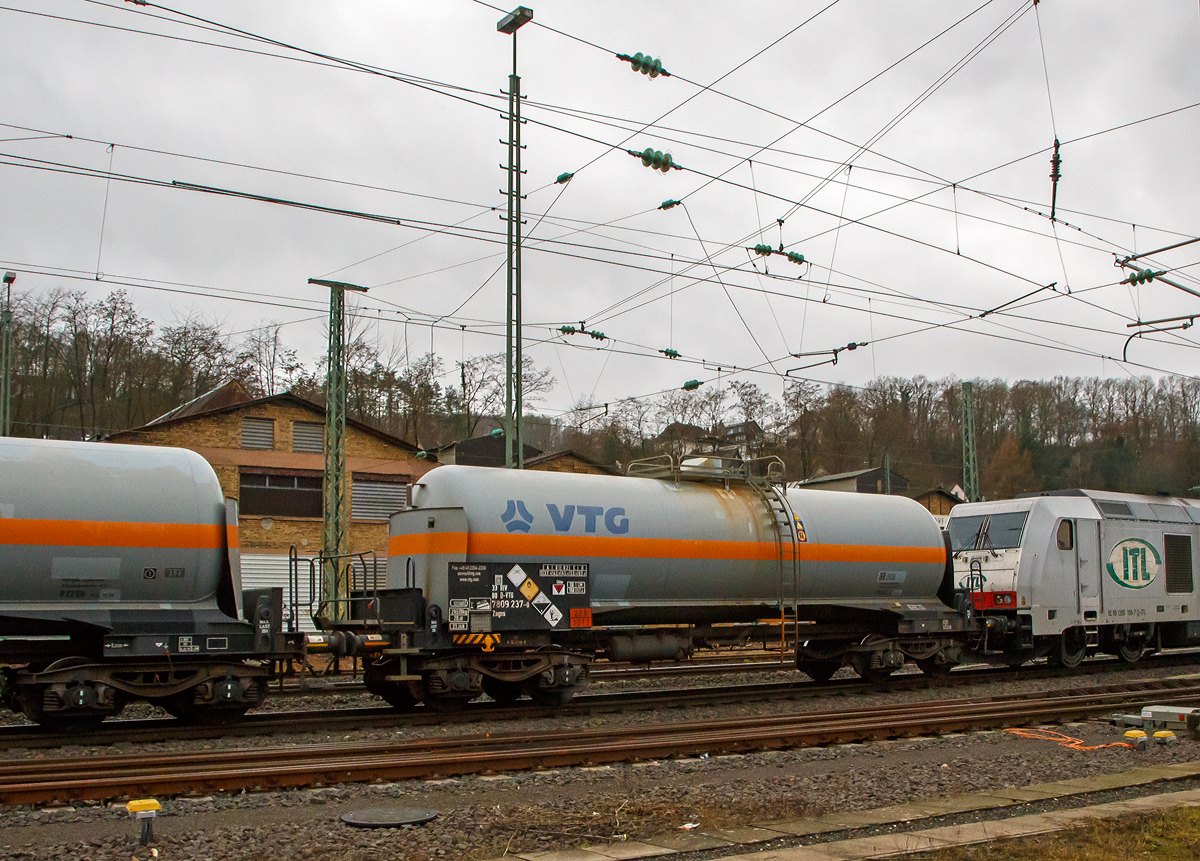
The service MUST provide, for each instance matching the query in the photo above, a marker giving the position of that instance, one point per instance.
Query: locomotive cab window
(964, 532)
(1004, 530)
(1066, 535)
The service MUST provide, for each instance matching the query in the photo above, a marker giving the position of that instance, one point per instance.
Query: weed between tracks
(629, 819)
(1171, 836)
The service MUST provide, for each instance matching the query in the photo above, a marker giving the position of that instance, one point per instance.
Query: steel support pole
(970, 459)
(335, 543)
(6, 357)
(514, 436)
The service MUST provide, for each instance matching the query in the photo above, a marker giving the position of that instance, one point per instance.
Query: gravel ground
(488, 816)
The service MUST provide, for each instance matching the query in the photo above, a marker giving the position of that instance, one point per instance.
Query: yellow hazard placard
(529, 589)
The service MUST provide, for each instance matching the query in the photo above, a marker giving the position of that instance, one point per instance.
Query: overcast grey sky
(948, 147)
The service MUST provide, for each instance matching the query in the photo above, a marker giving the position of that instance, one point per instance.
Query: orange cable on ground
(1064, 740)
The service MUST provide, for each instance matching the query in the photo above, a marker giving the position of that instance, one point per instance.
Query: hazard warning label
(520, 597)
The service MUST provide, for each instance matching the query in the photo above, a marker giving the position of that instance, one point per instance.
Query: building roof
(565, 453)
(226, 394)
(485, 450)
(682, 430)
(207, 405)
(940, 490)
(845, 476)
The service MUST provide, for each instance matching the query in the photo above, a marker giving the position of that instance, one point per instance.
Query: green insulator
(599, 336)
(564, 177)
(795, 257)
(567, 330)
(668, 204)
(691, 385)
(648, 155)
(764, 250)
(670, 354)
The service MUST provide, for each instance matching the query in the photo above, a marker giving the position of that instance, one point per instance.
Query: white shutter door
(377, 500)
(260, 571)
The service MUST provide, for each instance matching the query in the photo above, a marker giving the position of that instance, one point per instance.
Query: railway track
(150, 730)
(709, 664)
(68, 779)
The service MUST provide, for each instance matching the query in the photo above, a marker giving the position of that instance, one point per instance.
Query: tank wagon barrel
(527, 576)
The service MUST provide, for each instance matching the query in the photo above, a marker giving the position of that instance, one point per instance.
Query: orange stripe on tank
(231, 536)
(101, 533)
(599, 546)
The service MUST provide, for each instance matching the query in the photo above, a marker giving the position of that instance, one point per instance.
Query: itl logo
(1133, 563)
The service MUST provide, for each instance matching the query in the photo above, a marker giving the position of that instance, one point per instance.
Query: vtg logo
(516, 517)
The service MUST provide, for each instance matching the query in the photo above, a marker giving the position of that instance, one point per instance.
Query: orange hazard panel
(581, 617)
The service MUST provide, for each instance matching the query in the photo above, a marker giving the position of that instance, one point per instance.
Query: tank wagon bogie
(1073, 573)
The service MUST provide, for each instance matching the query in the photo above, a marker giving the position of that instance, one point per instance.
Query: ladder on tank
(772, 489)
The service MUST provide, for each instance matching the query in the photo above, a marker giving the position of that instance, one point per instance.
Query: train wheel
(29, 700)
(183, 706)
(1131, 653)
(819, 671)
(398, 695)
(501, 691)
(1070, 650)
(549, 696)
(934, 668)
(869, 665)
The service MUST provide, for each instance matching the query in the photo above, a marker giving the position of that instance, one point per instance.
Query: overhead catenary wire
(714, 270)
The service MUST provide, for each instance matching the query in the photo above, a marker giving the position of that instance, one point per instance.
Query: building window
(377, 500)
(308, 436)
(267, 495)
(258, 433)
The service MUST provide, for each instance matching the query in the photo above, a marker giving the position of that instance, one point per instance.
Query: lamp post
(514, 434)
(335, 543)
(6, 356)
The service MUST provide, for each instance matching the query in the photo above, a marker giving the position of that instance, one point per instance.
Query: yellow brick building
(269, 455)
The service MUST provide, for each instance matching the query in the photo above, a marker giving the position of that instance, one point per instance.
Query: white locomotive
(1075, 572)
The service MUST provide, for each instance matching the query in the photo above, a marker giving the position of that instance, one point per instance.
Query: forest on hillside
(86, 368)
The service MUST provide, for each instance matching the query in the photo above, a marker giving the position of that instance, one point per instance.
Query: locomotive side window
(1004, 530)
(1178, 552)
(964, 532)
(1066, 535)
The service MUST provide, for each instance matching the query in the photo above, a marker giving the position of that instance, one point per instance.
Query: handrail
(704, 466)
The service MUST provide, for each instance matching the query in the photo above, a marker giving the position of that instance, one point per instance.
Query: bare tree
(267, 365)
